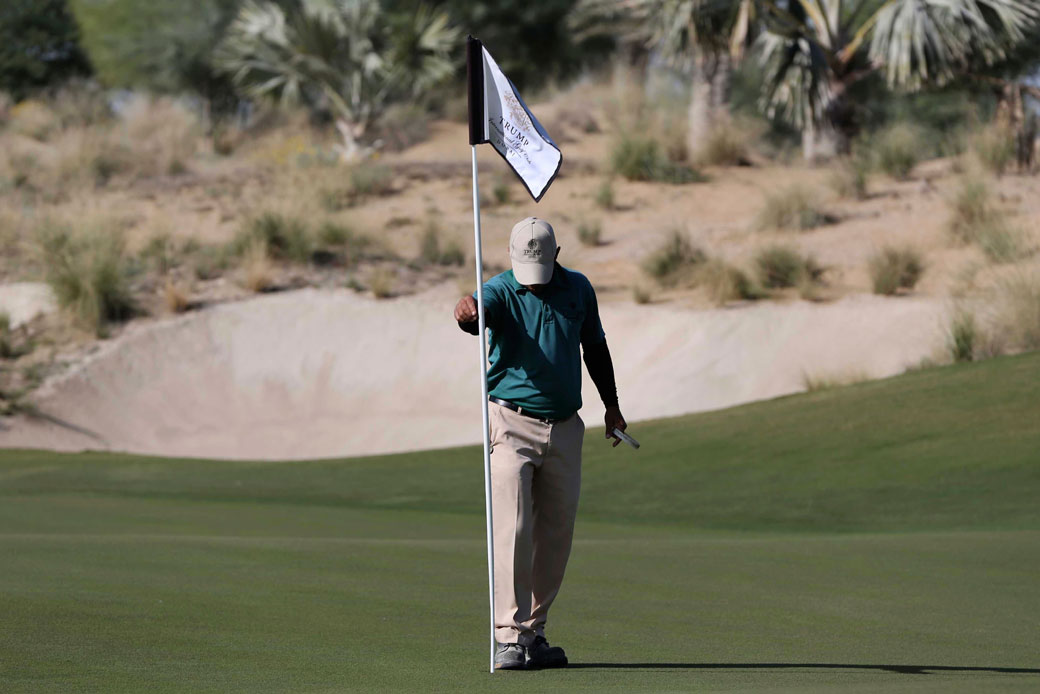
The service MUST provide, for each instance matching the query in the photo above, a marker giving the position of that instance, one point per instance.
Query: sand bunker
(314, 373)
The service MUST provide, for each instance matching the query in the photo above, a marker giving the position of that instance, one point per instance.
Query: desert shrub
(452, 254)
(781, 267)
(728, 144)
(995, 148)
(257, 269)
(403, 125)
(343, 240)
(893, 269)
(7, 347)
(724, 282)
(501, 191)
(35, 119)
(1001, 242)
(641, 294)
(816, 382)
(162, 134)
(638, 158)
(209, 261)
(792, 208)
(898, 149)
(284, 237)
(963, 333)
(850, 176)
(368, 179)
(161, 253)
(175, 296)
(1015, 319)
(589, 232)
(89, 272)
(382, 281)
(430, 245)
(975, 218)
(971, 207)
(675, 258)
(605, 194)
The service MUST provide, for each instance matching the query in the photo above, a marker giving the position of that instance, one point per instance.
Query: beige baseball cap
(532, 250)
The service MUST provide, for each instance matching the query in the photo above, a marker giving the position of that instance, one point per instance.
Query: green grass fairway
(882, 537)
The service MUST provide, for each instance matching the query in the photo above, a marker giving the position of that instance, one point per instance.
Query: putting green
(884, 536)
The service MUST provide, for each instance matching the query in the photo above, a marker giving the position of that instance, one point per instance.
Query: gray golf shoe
(541, 655)
(510, 656)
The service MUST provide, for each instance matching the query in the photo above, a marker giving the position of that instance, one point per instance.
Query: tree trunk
(709, 98)
(830, 134)
(700, 116)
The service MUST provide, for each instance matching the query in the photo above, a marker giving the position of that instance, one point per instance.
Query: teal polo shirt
(534, 354)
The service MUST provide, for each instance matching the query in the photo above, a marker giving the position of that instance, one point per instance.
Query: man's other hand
(466, 310)
(613, 419)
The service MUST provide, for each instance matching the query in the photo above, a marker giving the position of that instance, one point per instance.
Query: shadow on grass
(902, 669)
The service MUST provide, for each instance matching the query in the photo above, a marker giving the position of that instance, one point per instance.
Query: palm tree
(345, 55)
(813, 51)
(702, 38)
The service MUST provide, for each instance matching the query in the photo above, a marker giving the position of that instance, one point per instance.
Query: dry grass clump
(590, 232)
(639, 158)
(162, 135)
(994, 147)
(962, 336)
(257, 268)
(176, 296)
(88, 271)
(285, 237)
(369, 180)
(724, 283)
(794, 208)
(33, 118)
(1014, 319)
(895, 269)
(782, 267)
(604, 196)
(382, 281)
(347, 244)
(898, 150)
(975, 218)
(851, 175)
(728, 144)
(433, 252)
(674, 260)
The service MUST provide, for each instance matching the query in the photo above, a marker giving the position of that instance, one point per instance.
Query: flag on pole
(499, 117)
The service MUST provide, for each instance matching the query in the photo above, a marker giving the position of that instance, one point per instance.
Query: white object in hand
(625, 437)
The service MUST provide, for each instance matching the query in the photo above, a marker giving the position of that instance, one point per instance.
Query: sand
(325, 373)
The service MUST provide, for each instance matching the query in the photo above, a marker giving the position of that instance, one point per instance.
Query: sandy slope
(330, 373)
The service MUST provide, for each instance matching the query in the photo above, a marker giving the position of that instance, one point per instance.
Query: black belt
(519, 410)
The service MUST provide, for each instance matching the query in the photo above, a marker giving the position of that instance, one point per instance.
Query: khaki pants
(535, 481)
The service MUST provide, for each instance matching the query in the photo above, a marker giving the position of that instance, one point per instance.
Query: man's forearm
(601, 369)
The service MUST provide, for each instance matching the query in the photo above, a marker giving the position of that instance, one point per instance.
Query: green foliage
(160, 45)
(39, 46)
(673, 260)
(350, 57)
(88, 272)
(792, 208)
(894, 269)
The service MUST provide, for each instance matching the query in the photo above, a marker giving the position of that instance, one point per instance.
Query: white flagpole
(484, 405)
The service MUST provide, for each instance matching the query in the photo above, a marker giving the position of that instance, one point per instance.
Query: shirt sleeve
(492, 304)
(592, 329)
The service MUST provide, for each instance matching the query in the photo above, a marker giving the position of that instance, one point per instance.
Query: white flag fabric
(504, 121)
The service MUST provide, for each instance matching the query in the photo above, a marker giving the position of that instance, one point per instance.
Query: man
(537, 315)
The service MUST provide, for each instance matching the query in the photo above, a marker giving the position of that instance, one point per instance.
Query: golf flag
(499, 117)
